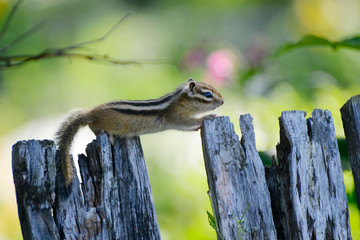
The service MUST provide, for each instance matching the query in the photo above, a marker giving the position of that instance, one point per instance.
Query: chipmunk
(175, 110)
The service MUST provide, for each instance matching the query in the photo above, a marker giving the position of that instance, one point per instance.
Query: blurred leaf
(213, 224)
(345, 160)
(240, 224)
(212, 221)
(351, 42)
(265, 158)
(312, 41)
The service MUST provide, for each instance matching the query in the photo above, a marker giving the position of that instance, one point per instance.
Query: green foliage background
(269, 67)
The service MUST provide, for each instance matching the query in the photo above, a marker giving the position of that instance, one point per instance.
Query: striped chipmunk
(175, 110)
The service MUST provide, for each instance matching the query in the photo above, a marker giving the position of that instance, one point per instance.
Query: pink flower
(221, 66)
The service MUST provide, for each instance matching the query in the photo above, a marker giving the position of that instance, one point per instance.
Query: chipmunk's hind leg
(111, 136)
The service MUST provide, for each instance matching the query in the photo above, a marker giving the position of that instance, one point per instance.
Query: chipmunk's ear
(191, 84)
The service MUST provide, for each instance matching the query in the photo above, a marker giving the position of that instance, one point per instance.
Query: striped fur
(175, 110)
(159, 103)
(139, 112)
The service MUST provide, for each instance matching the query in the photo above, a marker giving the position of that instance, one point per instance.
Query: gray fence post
(306, 184)
(115, 201)
(236, 178)
(301, 196)
(350, 114)
(308, 198)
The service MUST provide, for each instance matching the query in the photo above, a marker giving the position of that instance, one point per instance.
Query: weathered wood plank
(350, 114)
(236, 178)
(306, 185)
(117, 191)
(34, 171)
(308, 198)
(114, 202)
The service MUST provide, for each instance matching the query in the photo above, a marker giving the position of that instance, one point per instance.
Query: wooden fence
(301, 196)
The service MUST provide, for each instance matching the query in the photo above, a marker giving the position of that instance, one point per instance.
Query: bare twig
(9, 18)
(68, 51)
(21, 37)
(104, 36)
(18, 60)
(82, 44)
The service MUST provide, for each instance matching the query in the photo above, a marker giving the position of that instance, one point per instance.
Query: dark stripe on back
(138, 112)
(152, 102)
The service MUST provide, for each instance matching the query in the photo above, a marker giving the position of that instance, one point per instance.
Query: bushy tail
(64, 138)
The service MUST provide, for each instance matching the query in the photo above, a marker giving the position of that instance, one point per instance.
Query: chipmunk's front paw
(197, 128)
(209, 117)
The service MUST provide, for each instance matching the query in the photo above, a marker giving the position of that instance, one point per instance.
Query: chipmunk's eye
(207, 94)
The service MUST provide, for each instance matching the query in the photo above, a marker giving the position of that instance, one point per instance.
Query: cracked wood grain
(306, 184)
(114, 200)
(236, 178)
(350, 114)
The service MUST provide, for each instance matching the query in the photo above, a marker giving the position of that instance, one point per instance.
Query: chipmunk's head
(203, 97)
